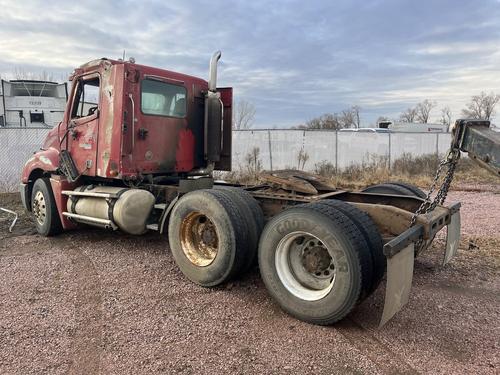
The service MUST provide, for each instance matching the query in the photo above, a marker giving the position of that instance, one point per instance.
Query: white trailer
(412, 127)
(32, 104)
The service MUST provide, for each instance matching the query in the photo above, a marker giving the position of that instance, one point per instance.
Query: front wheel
(44, 209)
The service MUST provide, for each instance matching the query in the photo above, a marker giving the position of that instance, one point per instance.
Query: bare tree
(350, 118)
(300, 126)
(243, 115)
(420, 113)
(302, 158)
(346, 119)
(20, 73)
(253, 163)
(356, 111)
(481, 106)
(330, 121)
(423, 110)
(326, 121)
(409, 115)
(446, 116)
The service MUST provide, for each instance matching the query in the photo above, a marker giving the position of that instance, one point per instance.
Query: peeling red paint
(119, 141)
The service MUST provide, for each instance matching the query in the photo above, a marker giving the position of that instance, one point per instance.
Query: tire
(218, 252)
(314, 299)
(388, 188)
(44, 209)
(253, 217)
(415, 190)
(371, 234)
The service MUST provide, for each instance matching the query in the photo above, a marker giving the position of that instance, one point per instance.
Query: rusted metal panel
(297, 181)
(121, 141)
(128, 142)
(111, 118)
(391, 213)
(392, 221)
(482, 144)
(157, 143)
(407, 203)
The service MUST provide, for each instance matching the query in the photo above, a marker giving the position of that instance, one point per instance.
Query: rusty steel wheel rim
(39, 208)
(199, 239)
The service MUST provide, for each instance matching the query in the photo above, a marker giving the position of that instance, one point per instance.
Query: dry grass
(8, 183)
(418, 170)
(374, 169)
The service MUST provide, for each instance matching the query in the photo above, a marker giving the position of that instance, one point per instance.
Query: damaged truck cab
(136, 151)
(127, 122)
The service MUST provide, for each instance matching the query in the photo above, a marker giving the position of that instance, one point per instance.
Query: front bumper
(400, 254)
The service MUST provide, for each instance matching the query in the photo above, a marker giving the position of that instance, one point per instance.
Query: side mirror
(93, 111)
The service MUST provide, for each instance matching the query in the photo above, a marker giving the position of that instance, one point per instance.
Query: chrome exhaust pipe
(212, 75)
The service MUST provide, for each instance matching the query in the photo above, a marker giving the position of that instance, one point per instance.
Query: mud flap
(452, 237)
(399, 279)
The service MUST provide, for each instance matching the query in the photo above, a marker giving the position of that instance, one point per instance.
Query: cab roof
(93, 64)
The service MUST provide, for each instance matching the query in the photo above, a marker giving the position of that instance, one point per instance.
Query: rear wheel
(253, 217)
(388, 188)
(414, 189)
(315, 263)
(371, 234)
(44, 209)
(208, 237)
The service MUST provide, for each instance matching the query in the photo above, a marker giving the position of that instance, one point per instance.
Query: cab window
(86, 98)
(162, 99)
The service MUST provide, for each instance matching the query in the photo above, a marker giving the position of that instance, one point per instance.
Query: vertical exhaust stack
(212, 76)
(213, 116)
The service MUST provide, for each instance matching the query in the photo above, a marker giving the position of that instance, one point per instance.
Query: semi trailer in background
(412, 127)
(32, 103)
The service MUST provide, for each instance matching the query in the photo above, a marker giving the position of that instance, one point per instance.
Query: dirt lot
(94, 301)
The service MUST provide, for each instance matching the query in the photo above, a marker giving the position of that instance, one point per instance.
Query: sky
(294, 60)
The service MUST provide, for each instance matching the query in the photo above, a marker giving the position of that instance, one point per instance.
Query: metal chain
(450, 161)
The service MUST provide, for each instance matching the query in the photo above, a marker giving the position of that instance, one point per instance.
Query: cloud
(293, 59)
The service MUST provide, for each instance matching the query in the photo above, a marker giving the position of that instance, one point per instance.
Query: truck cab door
(83, 125)
(163, 143)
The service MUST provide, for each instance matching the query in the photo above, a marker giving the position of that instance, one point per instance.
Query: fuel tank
(128, 209)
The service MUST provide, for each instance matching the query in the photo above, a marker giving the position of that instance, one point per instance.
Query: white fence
(16, 147)
(278, 149)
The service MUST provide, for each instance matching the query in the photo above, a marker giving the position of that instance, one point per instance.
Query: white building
(32, 104)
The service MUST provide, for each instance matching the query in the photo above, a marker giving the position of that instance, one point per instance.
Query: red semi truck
(136, 151)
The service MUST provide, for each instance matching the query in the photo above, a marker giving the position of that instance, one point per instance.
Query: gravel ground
(99, 302)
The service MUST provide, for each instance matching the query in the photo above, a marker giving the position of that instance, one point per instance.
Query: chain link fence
(306, 149)
(17, 145)
(278, 149)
